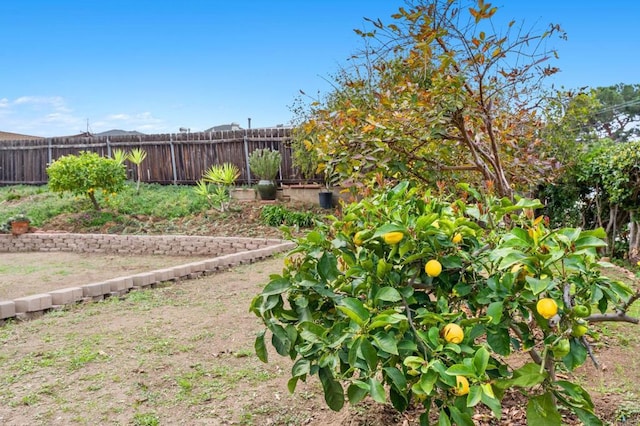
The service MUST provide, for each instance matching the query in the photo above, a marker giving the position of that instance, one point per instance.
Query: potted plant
(19, 224)
(265, 164)
(325, 196)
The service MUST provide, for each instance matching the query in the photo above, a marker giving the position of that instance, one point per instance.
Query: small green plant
(84, 174)
(221, 177)
(225, 174)
(265, 163)
(119, 155)
(137, 156)
(146, 419)
(276, 215)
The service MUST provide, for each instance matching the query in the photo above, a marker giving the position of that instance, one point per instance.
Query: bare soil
(25, 274)
(183, 355)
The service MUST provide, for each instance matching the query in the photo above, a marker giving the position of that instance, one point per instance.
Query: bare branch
(617, 317)
(590, 352)
(535, 356)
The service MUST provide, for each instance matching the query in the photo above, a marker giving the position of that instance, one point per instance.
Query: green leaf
(399, 400)
(388, 294)
(312, 332)
(369, 353)
(354, 309)
(538, 286)
(377, 391)
(527, 376)
(443, 420)
(518, 237)
(280, 339)
(460, 418)
(389, 227)
(328, 267)
(315, 237)
(499, 341)
(511, 259)
(542, 411)
(398, 380)
(494, 310)
(480, 361)
(386, 319)
(493, 404)
(291, 384)
(589, 241)
(357, 391)
(428, 381)
(460, 370)
(386, 342)
(260, 347)
(333, 392)
(577, 356)
(474, 396)
(301, 367)
(277, 286)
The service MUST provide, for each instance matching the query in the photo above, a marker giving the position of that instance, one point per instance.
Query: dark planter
(267, 189)
(326, 199)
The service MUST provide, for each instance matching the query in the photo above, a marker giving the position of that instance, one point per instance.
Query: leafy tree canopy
(437, 94)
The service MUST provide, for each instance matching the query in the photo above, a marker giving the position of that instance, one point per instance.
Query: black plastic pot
(326, 199)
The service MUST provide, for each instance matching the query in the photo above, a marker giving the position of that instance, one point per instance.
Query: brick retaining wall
(171, 245)
(225, 252)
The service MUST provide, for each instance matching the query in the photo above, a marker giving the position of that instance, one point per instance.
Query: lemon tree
(364, 313)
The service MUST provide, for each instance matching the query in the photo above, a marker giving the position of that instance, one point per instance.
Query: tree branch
(413, 327)
(535, 356)
(617, 317)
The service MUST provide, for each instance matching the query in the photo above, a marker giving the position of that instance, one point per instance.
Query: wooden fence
(171, 158)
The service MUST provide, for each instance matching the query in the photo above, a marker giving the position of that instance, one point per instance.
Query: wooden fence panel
(171, 158)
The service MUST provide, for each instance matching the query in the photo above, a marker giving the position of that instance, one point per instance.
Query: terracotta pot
(19, 227)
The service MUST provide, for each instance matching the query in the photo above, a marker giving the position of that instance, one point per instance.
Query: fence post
(49, 154)
(173, 159)
(246, 156)
(108, 148)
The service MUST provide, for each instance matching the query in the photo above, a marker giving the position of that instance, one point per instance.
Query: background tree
(85, 174)
(437, 95)
(620, 113)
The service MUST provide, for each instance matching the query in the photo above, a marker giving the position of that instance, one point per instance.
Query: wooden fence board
(192, 153)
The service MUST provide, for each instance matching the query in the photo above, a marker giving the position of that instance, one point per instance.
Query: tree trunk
(92, 197)
(634, 237)
(612, 228)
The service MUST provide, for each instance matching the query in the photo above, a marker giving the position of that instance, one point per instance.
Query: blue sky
(156, 66)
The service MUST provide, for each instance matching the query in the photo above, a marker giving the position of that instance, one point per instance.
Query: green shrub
(265, 163)
(416, 300)
(86, 173)
(275, 215)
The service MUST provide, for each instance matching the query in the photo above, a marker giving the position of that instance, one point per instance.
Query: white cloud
(52, 116)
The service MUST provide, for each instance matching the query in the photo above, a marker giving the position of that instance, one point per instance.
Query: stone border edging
(36, 305)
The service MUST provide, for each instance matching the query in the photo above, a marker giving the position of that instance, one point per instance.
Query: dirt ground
(183, 355)
(24, 274)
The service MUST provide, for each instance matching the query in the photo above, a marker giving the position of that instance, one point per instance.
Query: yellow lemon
(393, 237)
(357, 239)
(457, 238)
(547, 307)
(453, 333)
(462, 386)
(433, 268)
